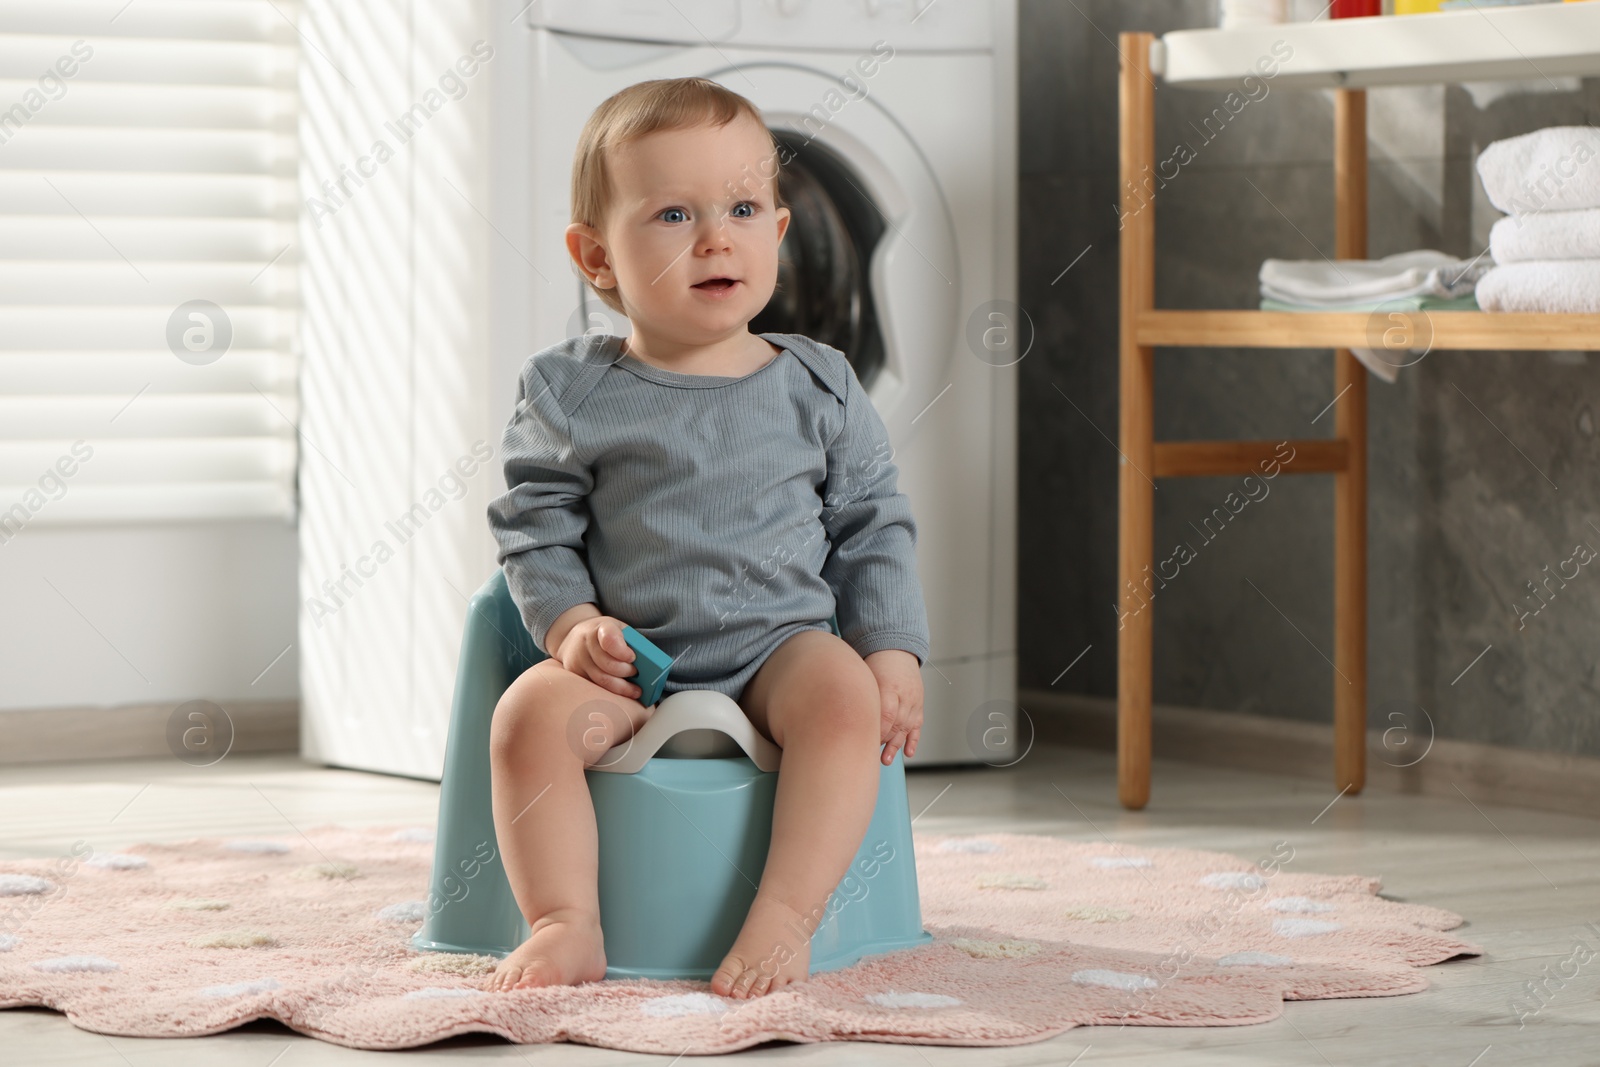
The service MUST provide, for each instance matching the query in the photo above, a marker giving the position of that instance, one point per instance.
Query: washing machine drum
(824, 287)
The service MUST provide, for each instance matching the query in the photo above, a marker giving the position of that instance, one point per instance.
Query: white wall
(395, 374)
(394, 392)
(147, 614)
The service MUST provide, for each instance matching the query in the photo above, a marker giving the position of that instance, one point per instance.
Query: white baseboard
(131, 731)
(1517, 777)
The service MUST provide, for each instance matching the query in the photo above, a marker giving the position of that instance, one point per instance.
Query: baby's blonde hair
(640, 109)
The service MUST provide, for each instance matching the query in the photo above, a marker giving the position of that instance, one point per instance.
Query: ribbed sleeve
(540, 521)
(871, 567)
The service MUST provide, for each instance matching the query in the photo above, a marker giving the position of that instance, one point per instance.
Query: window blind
(148, 269)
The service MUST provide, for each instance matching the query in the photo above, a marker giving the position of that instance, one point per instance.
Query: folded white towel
(1553, 169)
(1320, 283)
(1571, 285)
(1547, 235)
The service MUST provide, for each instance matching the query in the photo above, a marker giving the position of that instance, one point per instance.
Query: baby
(725, 494)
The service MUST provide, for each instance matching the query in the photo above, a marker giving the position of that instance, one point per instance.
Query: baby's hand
(900, 699)
(594, 649)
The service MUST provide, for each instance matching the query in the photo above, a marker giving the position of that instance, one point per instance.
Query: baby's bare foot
(773, 949)
(565, 948)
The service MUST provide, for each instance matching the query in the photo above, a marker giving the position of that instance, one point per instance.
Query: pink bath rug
(1032, 936)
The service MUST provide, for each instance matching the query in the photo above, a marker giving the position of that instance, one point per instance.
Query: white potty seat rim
(692, 712)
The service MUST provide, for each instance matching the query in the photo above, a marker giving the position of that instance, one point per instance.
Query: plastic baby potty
(684, 814)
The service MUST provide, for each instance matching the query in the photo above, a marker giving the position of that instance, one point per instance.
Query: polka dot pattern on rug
(17, 885)
(1301, 904)
(968, 844)
(70, 964)
(459, 963)
(1010, 881)
(263, 847)
(994, 950)
(1097, 915)
(194, 904)
(1255, 959)
(235, 939)
(1234, 880)
(893, 999)
(1304, 927)
(421, 835)
(311, 872)
(242, 989)
(684, 1004)
(1114, 979)
(1006, 965)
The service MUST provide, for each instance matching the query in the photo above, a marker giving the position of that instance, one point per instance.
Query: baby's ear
(784, 218)
(586, 246)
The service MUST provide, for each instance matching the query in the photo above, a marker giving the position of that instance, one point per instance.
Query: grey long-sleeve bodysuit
(716, 515)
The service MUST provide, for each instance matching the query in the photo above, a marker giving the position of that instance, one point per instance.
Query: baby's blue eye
(679, 211)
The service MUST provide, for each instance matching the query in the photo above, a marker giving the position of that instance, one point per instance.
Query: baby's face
(688, 206)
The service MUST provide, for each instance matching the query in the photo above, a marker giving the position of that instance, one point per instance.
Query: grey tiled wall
(1483, 464)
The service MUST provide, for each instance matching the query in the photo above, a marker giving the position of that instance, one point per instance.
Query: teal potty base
(683, 839)
(682, 846)
(876, 907)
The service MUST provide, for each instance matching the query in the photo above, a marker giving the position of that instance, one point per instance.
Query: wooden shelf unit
(1450, 330)
(1143, 328)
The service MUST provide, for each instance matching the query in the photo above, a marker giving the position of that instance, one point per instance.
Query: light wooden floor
(1527, 881)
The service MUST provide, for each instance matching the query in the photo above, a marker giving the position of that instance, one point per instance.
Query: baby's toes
(537, 973)
(727, 975)
(745, 984)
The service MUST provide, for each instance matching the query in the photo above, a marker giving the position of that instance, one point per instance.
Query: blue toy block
(652, 665)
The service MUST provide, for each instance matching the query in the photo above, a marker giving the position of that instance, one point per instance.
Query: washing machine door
(826, 256)
(869, 264)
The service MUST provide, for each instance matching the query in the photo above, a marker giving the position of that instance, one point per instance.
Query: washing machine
(899, 124)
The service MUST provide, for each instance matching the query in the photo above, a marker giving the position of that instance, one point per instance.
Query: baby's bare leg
(818, 701)
(547, 728)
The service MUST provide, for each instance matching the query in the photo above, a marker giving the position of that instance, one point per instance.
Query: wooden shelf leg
(1350, 485)
(1135, 609)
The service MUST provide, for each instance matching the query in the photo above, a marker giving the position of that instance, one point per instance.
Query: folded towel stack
(1547, 248)
(1407, 281)
(1364, 284)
